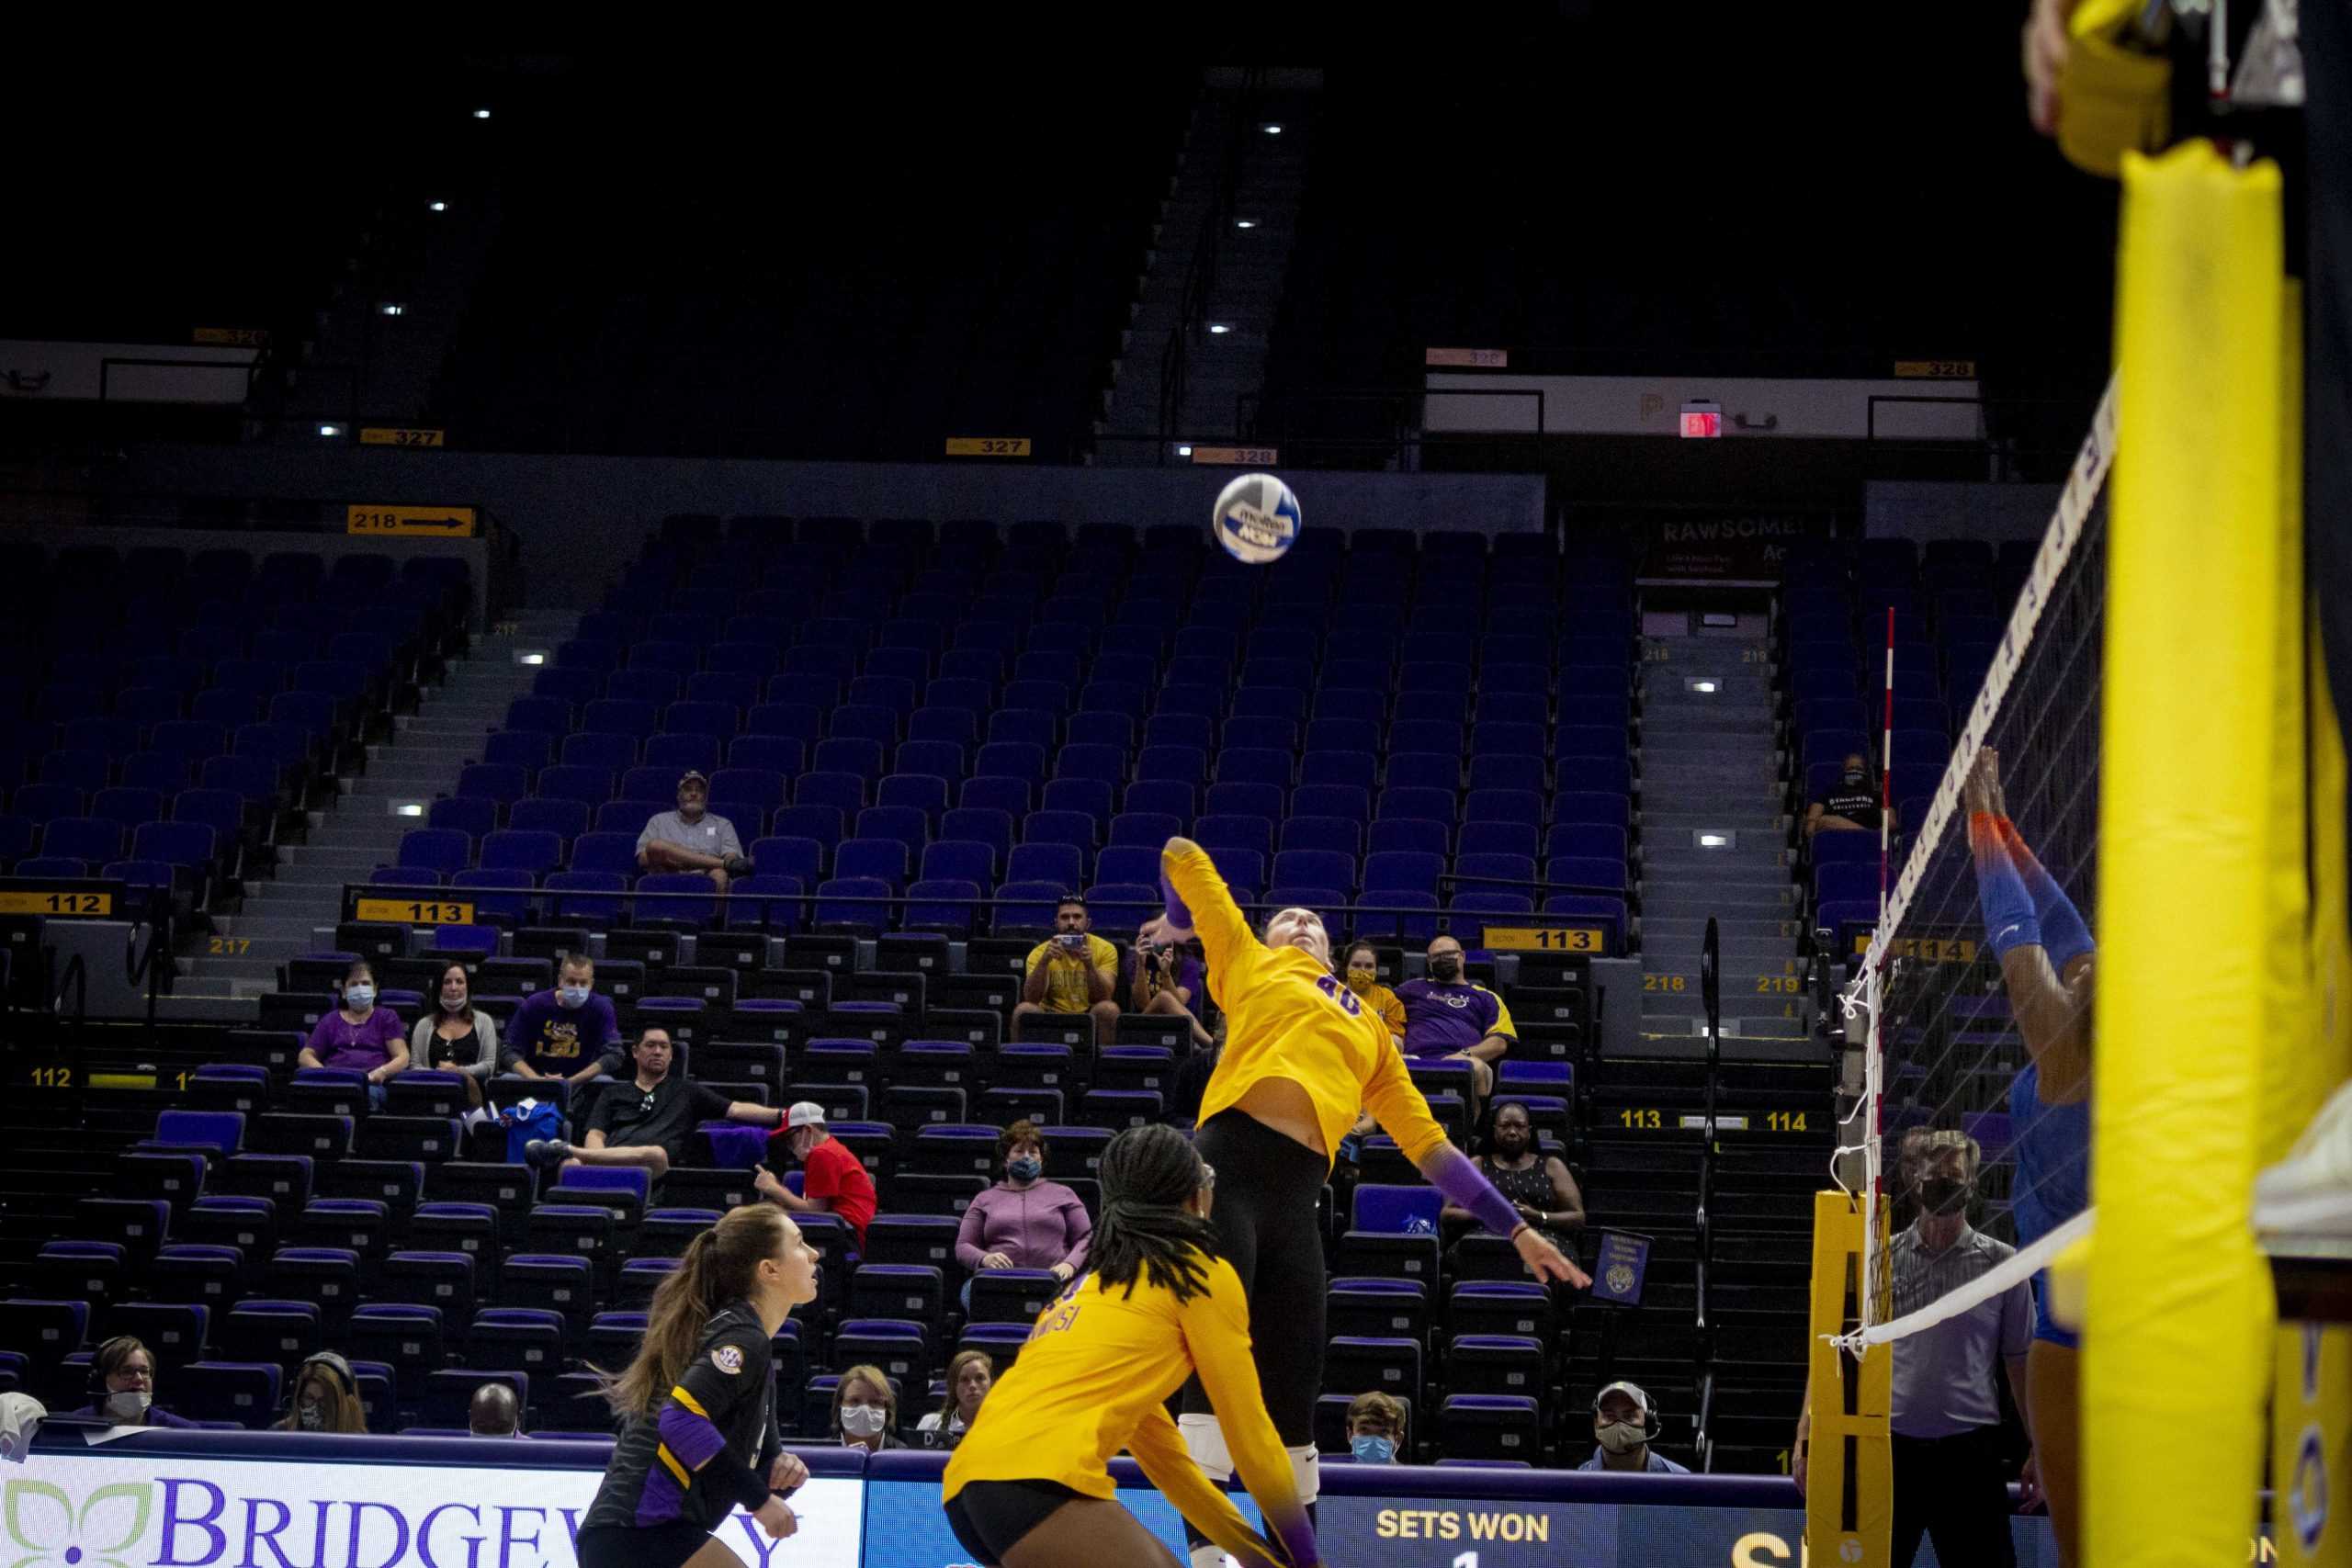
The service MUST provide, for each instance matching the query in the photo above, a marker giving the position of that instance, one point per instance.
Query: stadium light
(1245, 222)
(1219, 329)
(481, 114)
(330, 431)
(408, 808)
(530, 655)
(1183, 451)
(1703, 685)
(1272, 129)
(437, 207)
(1713, 840)
(391, 308)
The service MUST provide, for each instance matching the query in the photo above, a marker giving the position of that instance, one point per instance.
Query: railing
(1200, 275)
(1711, 998)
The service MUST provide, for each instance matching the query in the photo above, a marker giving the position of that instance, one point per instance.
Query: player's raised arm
(1200, 904)
(2035, 931)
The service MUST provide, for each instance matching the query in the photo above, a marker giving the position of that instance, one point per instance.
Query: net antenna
(1901, 968)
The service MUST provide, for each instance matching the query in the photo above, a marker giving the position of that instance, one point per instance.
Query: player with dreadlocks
(1303, 1056)
(1030, 1486)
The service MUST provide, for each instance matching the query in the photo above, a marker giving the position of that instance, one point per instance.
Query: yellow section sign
(401, 436)
(38, 901)
(1544, 938)
(432, 522)
(1935, 370)
(410, 911)
(988, 447)
(1237, 457)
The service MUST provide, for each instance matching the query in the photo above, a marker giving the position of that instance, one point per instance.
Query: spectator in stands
(970, 1375)
(1623, 1421)
(647, 1120)
(1852, 804)
(494, 1412)
(1448, 1019)
(568, 1032)
(865, 1411)
(1375, 1428)
(326, 1398)
(358, 1035)
(833, 1180)
(1360, 969)
(691, 838)
(1024, 1221)
(1163, 979)
(1537, 1184)
(1944, 1410)
(1072, 971)
(458, 1039)
(122, 1387)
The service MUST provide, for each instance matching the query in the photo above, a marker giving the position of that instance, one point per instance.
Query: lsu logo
(728, 1359)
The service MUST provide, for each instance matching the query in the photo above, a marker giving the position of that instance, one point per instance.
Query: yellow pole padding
(1849, 1485)
(2179, 1311)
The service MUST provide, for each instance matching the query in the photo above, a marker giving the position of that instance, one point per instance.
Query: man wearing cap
(833, 1182)
(645, 1121)
(1623, 1422)
(691, 838)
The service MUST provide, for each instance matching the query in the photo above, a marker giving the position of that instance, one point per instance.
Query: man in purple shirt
(1448, 1019)
(569, 1031)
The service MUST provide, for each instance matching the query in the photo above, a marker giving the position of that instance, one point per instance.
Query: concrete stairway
(1714, 842)
(296, 911)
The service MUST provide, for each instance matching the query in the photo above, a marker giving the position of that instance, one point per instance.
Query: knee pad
(1208, 1555)
(1205, 1439)
(1305, 1472)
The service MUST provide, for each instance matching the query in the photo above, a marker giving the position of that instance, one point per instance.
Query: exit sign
(1702, 421)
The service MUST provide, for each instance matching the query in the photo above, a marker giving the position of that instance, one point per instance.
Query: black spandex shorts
(1266, 1187)
(639, 1546)
(991, 1516)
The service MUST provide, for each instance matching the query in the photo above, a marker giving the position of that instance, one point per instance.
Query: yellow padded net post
(1850, 1487)
(2175, 1280)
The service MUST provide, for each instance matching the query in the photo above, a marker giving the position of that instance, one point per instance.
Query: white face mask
(572, 996)
(359, 998)
(129, 1406)
(453, 1004)
(1623, 1436)
(864, 1420)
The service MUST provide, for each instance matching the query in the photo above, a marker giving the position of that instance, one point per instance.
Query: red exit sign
(1702, 422)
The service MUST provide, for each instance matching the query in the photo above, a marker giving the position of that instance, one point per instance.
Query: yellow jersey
(1095, 1378)
(1066, 989)
(1286, 1016)
(1385, 1002)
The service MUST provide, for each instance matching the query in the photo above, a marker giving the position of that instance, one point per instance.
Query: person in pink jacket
(1024, 1221)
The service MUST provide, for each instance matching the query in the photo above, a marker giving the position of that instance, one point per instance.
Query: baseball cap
(1630, 1390)
(807, 1114)
(694, 777)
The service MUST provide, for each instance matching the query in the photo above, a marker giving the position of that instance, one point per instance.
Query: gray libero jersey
(712, 836)
(1946, 1377)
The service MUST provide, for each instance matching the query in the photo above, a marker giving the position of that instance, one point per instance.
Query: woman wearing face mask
(458, 1039)
(970, 1375)
(865, 1411)
(1363, 979)
(698, 1404)
(1537, 1184)
(1303, 1056)
(124, 1369)
(1030, 1485)
(1375, 1428)
(359, 1035)
(1024, 1221)
(326, 1398)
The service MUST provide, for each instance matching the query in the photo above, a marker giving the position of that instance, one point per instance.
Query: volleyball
(1256, 519)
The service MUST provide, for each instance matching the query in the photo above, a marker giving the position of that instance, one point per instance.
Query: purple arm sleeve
(1176, 912)
(1466, 1187)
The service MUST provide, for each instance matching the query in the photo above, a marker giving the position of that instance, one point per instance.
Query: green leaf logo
(42, 1522)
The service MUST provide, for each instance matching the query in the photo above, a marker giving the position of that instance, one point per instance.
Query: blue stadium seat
(675, 751)
(524, 750)
(1340, 835)
(983, 825)
(435, 850)
(517, 850)
(627, 816)
(828, 789)
(1237, 799)
(1252, 765)
(882, 860)
(943, 760)
(1171, 797)
(1218, 832)
(593, 786)
(1317, 869)
(1062, 864)
(781, 754)
(475, 815)
(605, 852)
(1360, 734)
(1179, 764)
(765, 899)
(1009, 760)
(799, 721)
(943, 903)
(1436, 737)
(1467, 914)
(1090, 798)
(1502, 806)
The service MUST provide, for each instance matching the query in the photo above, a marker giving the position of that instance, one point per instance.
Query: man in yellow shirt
(1072, 971)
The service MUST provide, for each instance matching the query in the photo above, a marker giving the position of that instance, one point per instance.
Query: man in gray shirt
(1951, 1480)
(691, 838)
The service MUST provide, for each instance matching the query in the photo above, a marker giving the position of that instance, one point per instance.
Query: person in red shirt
(833, 1181)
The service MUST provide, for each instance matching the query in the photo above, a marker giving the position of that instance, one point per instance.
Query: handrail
(1711, 997)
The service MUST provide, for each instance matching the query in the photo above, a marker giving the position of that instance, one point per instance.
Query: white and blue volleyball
(1257, 519)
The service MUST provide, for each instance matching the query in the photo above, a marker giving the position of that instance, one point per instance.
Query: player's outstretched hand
(1548, 1262)
(787, 1474)
(1160, 929)
(1982, 789)
(777, 1519)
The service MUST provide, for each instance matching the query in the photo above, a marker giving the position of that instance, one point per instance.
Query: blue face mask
(572, 996)
(359, 996)
(1024, 1169)
(1370, 1449)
